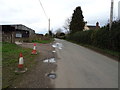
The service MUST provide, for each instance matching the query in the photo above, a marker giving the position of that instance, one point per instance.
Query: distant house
(90, 27)
(17, 32)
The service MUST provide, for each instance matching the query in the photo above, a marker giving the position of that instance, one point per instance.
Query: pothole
(51, 75)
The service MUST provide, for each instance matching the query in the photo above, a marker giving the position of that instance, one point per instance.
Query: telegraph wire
(46, 16)
(43, 9)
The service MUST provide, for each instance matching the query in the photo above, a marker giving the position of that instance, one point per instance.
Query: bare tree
(58, 31)
(67, 25)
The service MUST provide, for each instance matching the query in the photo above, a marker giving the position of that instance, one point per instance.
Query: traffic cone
(21, 68)
(21, 62)
(34, 49)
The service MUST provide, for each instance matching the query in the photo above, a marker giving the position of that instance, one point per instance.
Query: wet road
(79, 67)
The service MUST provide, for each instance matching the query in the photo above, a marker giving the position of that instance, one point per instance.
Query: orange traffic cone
(20, 65)
(21, 68)
(34, 49)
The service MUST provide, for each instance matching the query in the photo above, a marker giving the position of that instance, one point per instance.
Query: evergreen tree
(77, 23)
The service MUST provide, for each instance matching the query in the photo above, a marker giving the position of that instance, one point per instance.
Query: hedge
(102, 38)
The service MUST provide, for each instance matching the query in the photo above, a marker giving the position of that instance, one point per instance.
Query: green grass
(43, 41)
(104, 51)
(10, 57)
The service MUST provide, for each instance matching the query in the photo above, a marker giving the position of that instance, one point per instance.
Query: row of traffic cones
(21, 67)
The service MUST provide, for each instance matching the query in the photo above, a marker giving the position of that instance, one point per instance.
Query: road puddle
(60, 48)
(54, 46)
(51, 60)
(57, 45)
(51, 75)
(18, 43)
(53, 51)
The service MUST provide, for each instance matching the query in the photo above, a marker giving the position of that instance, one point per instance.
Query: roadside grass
(110, 53)
(10, 57)
(43, 41)
(113, 54)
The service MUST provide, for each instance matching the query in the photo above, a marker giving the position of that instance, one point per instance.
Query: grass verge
(10, 57)
(43, 41)
(112, 54)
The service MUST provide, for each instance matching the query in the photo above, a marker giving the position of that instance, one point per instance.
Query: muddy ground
(36, 77)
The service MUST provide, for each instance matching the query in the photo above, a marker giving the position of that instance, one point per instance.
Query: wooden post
(49, 25)
(111, 15)
(13, 37)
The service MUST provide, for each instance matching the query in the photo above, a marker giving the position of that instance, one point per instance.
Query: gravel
(35, 78)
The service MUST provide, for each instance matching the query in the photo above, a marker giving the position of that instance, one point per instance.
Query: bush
(101, 38)
(115, 36)
(82, 37)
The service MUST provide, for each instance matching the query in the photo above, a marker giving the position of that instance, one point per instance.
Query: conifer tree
(77, 23)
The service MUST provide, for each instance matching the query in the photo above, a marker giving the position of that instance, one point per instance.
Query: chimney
(97, 24)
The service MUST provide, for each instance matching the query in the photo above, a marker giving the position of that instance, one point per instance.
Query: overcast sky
(30, 13)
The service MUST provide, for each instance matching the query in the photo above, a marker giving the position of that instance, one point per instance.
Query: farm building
(16, 33)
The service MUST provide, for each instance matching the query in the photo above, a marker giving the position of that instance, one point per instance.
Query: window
(18, 35)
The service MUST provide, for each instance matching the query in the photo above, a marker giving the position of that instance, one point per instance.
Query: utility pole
(48, 25)
(111, 15)
(119, 10)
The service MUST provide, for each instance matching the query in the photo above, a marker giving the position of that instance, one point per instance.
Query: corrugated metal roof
(19, 26)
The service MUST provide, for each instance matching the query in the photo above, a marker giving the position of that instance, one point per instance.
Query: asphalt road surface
(79, 67)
